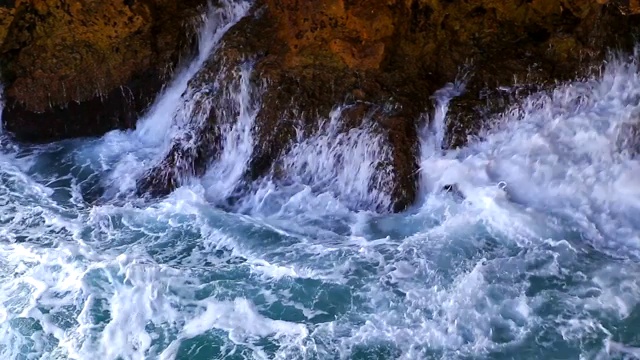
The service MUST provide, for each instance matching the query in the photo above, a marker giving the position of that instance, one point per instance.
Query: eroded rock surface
(77, 68)
(80, 68)
(392, 55)
(628, 7)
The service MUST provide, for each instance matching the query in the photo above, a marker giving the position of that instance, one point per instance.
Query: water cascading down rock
(379, 61)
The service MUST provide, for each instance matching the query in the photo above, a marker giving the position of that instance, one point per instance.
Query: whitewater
(535, 254)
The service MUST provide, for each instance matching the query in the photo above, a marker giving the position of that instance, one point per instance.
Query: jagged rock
(81, 68)
(454, 190)
(304, 82)
(394, 54)
(78, 68)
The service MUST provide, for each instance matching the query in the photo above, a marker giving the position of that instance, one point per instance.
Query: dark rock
(454, 190)
(626, 6)
(81, 68)
(394, 55)
(519, 61)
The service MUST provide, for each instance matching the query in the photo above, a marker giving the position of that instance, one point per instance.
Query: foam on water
(135, 151)
(538, 259)
(243, 102)
(570, 152)
(323, 177)
(349, 164)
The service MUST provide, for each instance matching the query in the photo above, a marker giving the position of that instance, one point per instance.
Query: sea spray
(128, 156)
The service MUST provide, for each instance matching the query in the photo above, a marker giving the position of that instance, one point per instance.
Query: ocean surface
(535, 256)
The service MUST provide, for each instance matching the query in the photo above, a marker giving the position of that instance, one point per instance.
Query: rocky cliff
(74, 68)
(388, 58)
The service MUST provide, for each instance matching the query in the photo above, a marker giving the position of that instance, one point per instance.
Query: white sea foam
(242, 100)
(127, 155)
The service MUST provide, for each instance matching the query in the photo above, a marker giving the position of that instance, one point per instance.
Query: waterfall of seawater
(135, 151)
(535, 255)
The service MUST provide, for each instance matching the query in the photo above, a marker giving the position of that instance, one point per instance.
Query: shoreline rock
(395, 55)
(82, 68)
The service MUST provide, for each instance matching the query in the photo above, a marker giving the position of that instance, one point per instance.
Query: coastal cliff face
(388, 58)
(412, 48)
(77, 68)
(81, 68)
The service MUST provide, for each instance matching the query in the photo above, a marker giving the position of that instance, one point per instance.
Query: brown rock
(390, 56)
(6, 17)
(551, 41)
(80, 68)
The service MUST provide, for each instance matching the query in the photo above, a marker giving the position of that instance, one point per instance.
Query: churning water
(536, 255)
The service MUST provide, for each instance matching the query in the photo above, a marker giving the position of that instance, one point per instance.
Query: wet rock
(81, 68)
(534, 47)
(454, 190)
(390, 56)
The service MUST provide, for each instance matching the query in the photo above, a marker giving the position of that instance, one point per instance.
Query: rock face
(531, 47)
(76, 68)
(390, 56)
(81, 68)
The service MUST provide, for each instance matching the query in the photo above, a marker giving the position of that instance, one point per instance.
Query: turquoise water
(177, 277)
(535, 258)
